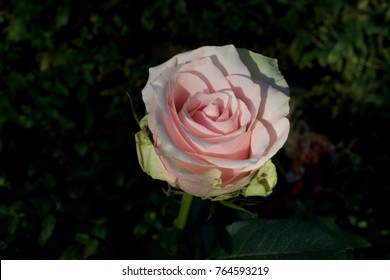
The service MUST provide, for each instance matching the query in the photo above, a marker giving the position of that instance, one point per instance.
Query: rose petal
(226, 58)
(259, 142)
(273, 113)
(156, 95)
(213, 110)
(217, 127)
(233, 186)
(149, 160)
(250, 163)
(274, 104)
(195, 179)
(201, 185)
(185, 86)
(279, 133)
(244, 115)
(225, 137)
(238, 147)
(195, 128)
(172, 142)
(264, 70)
(205, 70)
(199, 111)
(246, 91)
(208, 182)
(201, 100)
(260, 139)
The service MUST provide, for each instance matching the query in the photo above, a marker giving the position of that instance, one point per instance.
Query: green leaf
(63, 12)
(71, 253)
(48, 225)
(4, 211)
(353, 240)
(90, 248)
(281, 239)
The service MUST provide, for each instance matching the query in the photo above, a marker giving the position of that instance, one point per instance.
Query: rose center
(214, 109)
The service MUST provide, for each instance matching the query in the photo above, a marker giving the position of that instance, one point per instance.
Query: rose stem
(184, 210)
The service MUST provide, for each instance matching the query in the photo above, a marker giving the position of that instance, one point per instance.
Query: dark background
(70, 183)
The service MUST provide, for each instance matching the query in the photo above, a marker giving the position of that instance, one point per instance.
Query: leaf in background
(353, 240)
(62, 17)
(48, 225)
(90, 248)
(281, 239)
(71, 253)
(4, 212)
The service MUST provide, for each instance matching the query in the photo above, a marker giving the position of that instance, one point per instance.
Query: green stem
(184, 210)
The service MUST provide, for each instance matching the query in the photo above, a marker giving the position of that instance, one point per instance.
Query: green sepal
(263, 183)
(235, 206)
(147, 156)
(133, 110)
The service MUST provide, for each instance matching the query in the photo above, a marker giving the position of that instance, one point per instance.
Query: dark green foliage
(281, 239)
(70, 183)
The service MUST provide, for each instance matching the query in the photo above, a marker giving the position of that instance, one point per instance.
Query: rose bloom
(215, 117)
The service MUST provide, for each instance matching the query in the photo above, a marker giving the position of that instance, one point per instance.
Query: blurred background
(70, 183)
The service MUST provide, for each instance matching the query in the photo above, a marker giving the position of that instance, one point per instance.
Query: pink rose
(216, 117)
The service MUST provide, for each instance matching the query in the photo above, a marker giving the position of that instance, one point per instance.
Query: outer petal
(274, 106)
(279, 131)
(148, 158)
(201, 185)
(239, 183)
(264, 69)
(154, 96)
(226, 58)
(208, 72)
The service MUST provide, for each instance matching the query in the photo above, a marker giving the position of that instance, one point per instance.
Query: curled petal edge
(147, 156)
